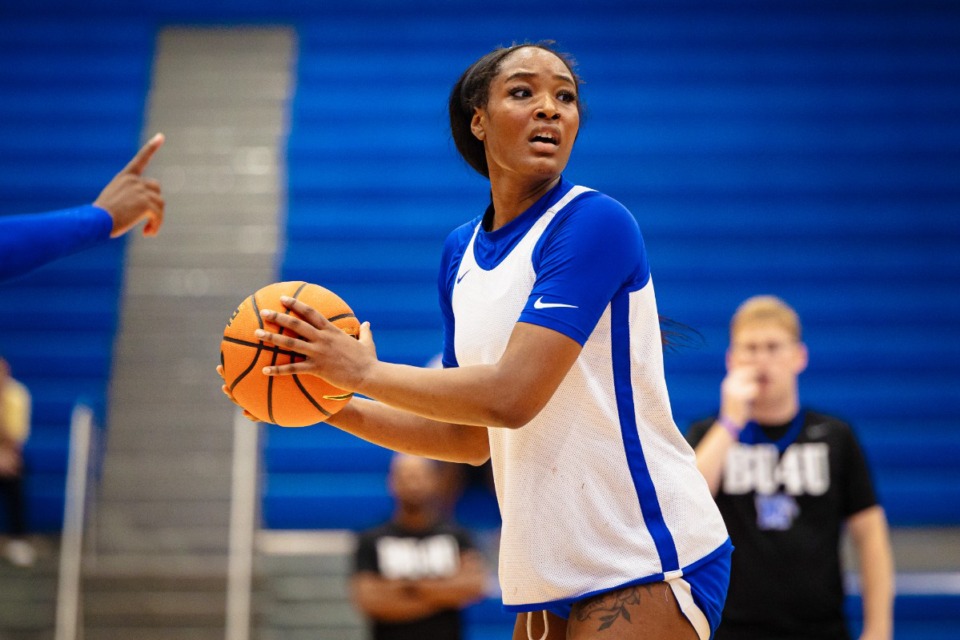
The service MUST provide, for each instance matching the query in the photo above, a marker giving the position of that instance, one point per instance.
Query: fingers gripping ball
(289, 401)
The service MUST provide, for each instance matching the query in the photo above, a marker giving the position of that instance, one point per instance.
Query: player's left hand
(226, 391)
(329, 352)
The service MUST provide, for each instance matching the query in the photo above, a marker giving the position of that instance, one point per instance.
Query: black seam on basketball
(264, 347)
(256, 310)
(270, 388)
(332, 319)
(256, 356)
(270, 392)
(270, 400)
(243, 343)
(273, 362)
(309, 397)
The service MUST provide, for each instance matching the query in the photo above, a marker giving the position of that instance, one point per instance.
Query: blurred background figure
(466, 488)
(415, 573)
(788, 480)
(14, 429)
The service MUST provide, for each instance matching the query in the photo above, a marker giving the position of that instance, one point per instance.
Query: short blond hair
(766, 309)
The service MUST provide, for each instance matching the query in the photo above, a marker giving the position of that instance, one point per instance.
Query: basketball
(288, 401)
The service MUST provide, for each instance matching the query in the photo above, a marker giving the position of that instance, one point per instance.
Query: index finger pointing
(142, 159)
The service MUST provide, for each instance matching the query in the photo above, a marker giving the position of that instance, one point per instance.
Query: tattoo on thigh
(610, 607)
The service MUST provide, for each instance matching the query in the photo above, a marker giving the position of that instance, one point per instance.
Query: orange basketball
(289, 401)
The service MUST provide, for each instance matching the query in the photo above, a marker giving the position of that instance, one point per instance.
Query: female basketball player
(554, 370)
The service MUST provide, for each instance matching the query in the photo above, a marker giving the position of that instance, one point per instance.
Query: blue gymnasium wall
(72, 97)
(807, 149)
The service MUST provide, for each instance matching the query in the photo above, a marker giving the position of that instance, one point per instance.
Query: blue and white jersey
(600, 490)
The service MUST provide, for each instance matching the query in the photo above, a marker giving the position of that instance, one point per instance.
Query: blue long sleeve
(31, 240)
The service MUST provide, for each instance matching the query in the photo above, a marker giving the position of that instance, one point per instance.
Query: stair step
(159, 512)
(210, 539)
(154, 609)
(26, 616)
(164, 631)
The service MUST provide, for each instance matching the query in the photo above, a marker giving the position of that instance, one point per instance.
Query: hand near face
(738, 392)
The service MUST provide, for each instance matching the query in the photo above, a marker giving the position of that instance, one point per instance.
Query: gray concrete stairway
(303, 587)
(161, 523)
(28, 595)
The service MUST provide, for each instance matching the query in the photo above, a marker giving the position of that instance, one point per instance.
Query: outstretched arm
(30, 241)
(409, 433)
(405, 432)
(507, 394)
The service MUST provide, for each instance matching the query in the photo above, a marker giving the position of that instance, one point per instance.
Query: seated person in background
(14, 429)
(414, 574)
(787, 480)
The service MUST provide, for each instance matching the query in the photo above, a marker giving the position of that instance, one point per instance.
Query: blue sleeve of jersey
(592, 250)
(31, 240)
(453, 248)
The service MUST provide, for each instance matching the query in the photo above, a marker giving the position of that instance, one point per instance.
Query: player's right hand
(738, 392)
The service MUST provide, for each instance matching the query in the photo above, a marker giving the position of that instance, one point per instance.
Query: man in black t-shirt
(787, 482)
(414, 574)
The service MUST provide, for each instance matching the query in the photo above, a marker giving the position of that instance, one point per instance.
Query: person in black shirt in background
(787, 481)
(414, 574)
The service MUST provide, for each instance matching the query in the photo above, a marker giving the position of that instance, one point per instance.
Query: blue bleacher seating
(804, 148)
(806, 151)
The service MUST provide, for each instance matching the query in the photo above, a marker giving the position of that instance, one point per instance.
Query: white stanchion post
(71, 543)
(242, 515)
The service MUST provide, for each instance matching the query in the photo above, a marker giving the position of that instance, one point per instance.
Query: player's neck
(511, 197)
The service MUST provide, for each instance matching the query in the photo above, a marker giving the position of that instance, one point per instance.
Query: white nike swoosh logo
(540, 304)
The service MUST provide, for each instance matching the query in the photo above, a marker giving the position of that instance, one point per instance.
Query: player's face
(773, 352)
(531, 118)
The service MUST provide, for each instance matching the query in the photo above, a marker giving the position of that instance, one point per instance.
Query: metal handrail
(243, 513)
(80, 471)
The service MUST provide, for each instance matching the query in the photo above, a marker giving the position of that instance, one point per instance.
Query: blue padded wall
(809, 150)
(72, 96)
(804, 148)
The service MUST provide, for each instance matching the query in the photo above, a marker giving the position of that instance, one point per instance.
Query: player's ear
(476, 124)
(802, 358)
